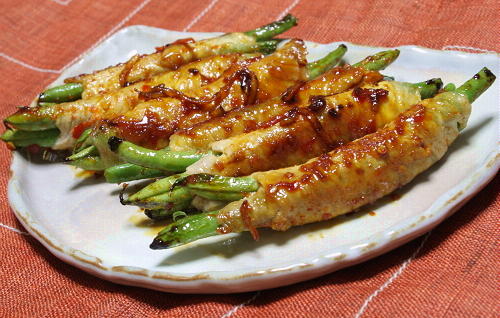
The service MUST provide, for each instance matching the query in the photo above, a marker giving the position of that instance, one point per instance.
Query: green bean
(272, 29)
(174, 200)
(178, 214)
(156, 159)
(194, 227)
(322, 65)
(187, 229)
(42, 104)
(32, 118)
(88, 163)
(211, 187)
(429, 88)
(218, 196)
(475, 86)
(210, 182)
(269, 46)
(80, 142)
(156, 188)
(159, 214)
(177, 162)
(22, 138)
(378, 61)
(449, 87)
(89, 151)
(62, 93)
(129, 172)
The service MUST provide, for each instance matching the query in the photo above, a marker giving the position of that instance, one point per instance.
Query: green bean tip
(114, 142)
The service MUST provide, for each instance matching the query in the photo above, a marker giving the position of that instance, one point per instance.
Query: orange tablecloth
(452, 271)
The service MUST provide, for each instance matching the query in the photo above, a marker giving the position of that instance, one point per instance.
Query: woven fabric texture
(450, 272)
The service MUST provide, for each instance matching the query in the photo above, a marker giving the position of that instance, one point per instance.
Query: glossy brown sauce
(250, 88)
(249, 85)
(173, 59)
(317, 103)
(160, 91)
(372, 77)
(79, 129)
(394, 196)
(369, 95)
(315, 170)
(184, 41)
(151, 129)
(305, 143)
(319, 168)
(273, 189)
(317, 126)
(322, 85)
(170, 61)
(359, 126)
(127, 67)
(290, 117)
(146, 132)
(266, 124)
(290, 95)
(205, 80)
(418, 117)
(245, 210)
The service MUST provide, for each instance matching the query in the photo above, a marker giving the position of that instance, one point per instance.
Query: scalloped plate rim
(199, 282)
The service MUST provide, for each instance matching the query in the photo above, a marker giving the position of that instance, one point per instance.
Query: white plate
(81, 221)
